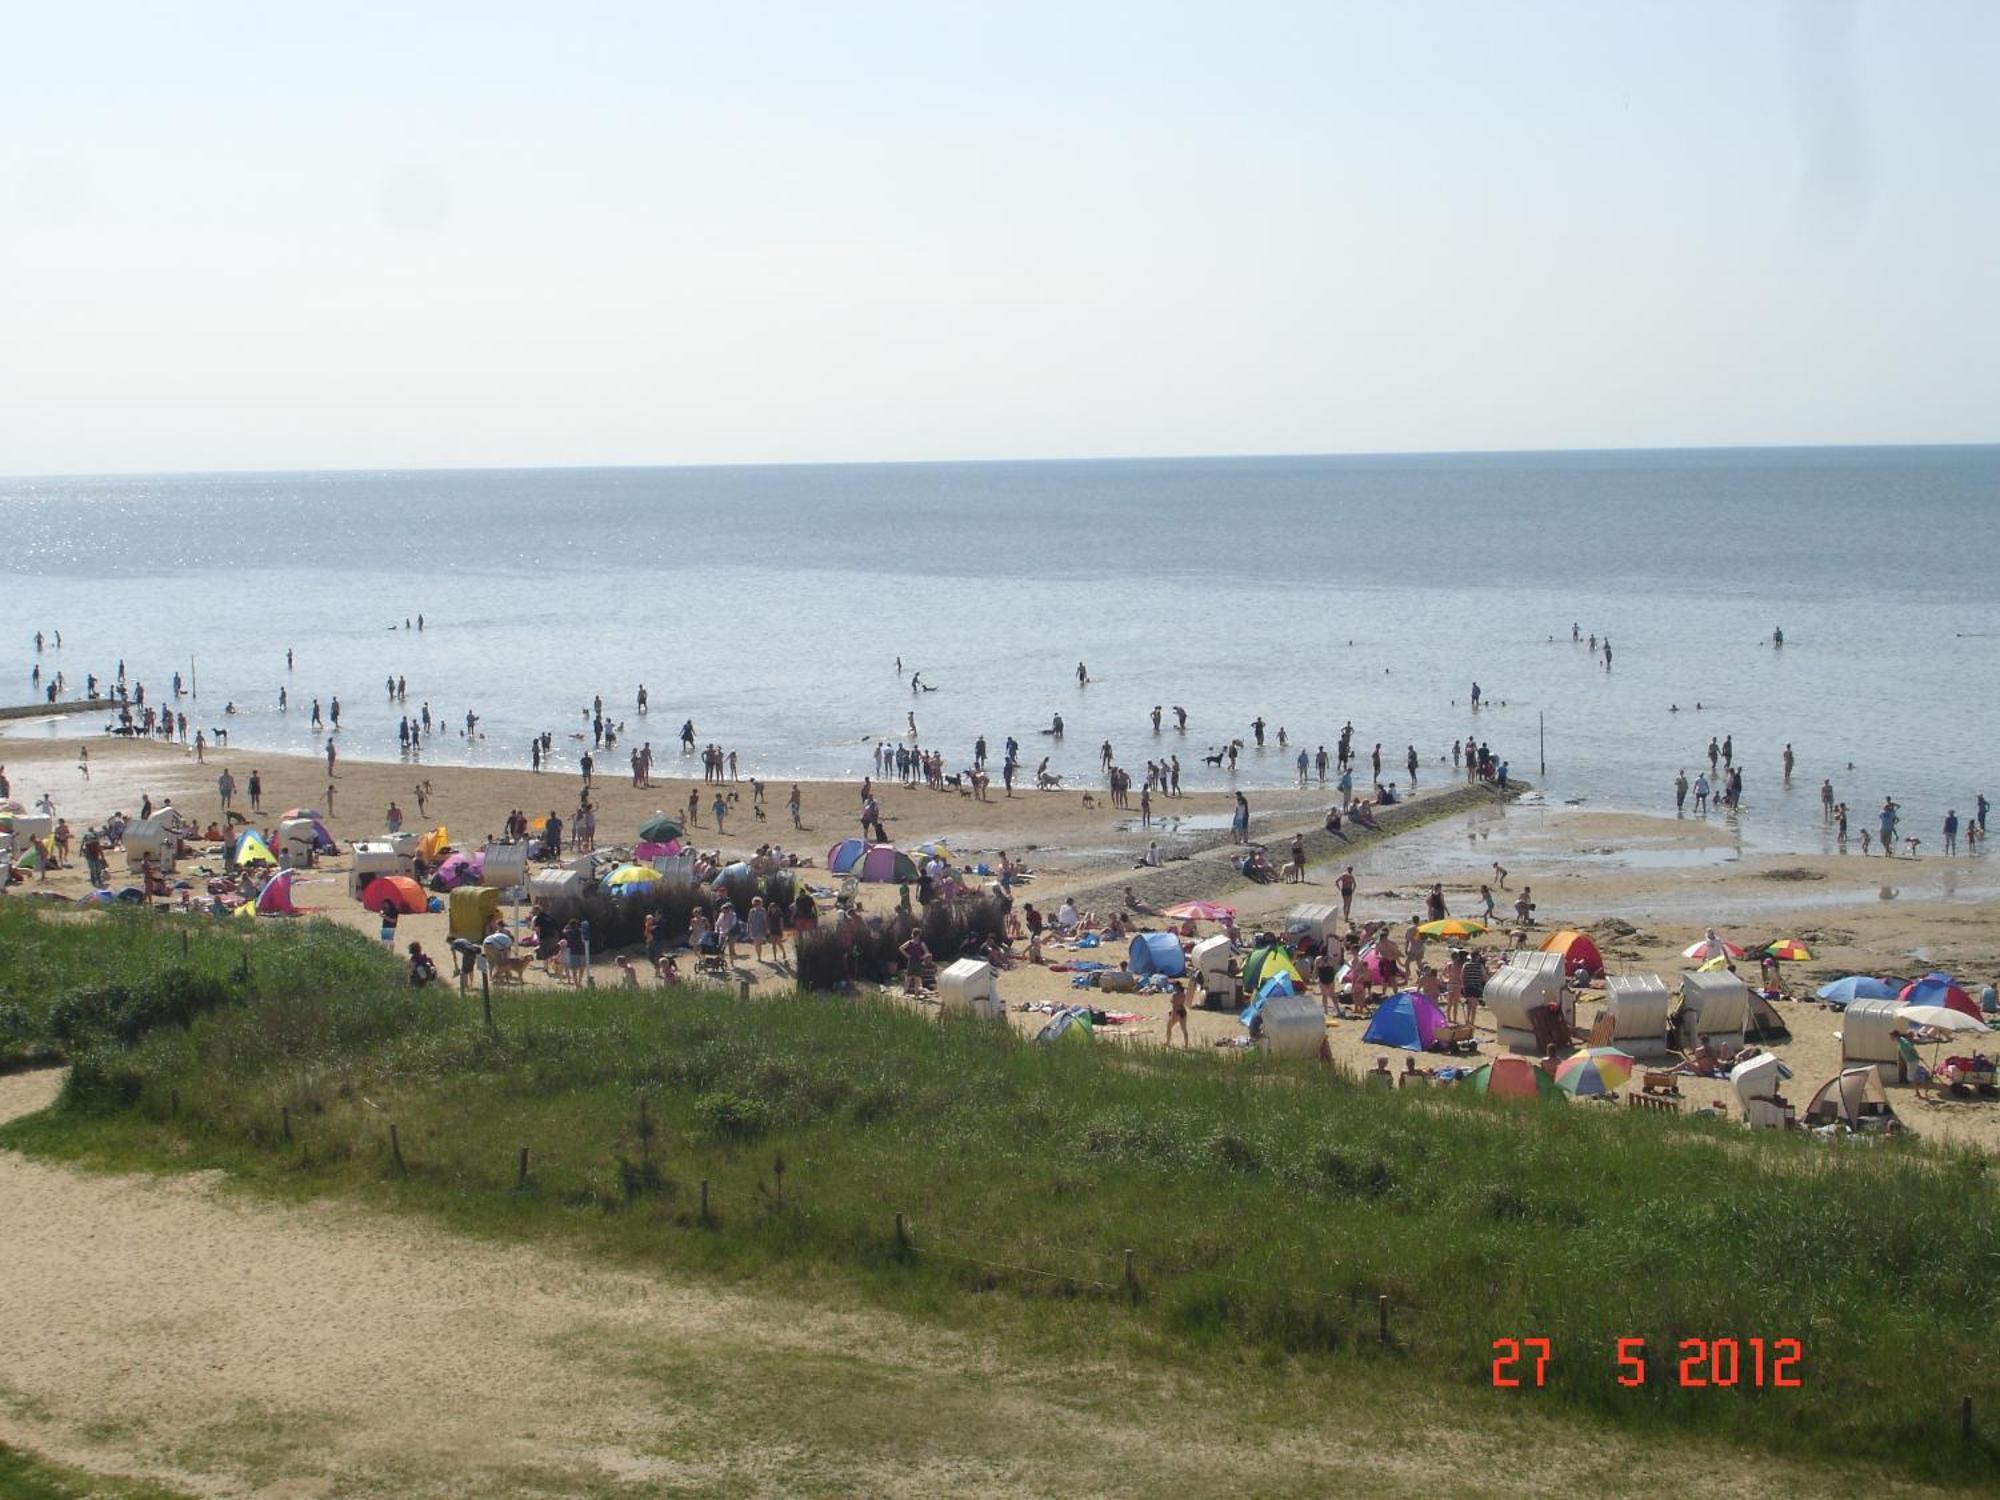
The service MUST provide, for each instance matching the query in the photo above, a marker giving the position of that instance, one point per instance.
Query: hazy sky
(286, 236)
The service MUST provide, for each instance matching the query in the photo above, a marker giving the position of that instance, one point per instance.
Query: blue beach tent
(1158, 953)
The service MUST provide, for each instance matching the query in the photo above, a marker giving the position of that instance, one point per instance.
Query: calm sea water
(770, 605)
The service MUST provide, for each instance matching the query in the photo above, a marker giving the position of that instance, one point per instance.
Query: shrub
(733, 1117)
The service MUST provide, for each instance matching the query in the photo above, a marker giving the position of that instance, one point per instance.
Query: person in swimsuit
(1177, 1012)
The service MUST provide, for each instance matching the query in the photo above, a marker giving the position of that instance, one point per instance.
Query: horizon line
(1101, 458)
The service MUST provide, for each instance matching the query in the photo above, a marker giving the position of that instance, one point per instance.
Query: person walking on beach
(1239, 823)
(1826, 800)
(1701, 796)
(1345, 885)
(1411, 761)
(1886, 820)
(720, 809)
(1177, 1012)
(256, 790)
(1951, 831)
(332, 754)
(1304, 765)
(792, 806)
(1146, 805)
(225, 788)
(1680, 793)
(1375, 760)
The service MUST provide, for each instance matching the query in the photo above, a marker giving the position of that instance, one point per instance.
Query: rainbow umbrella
(1790, 950)
(631, 879)
(1512, 1078)
(1452, 927)
(1200, 911)
(1707, 949)
(1593, 1071)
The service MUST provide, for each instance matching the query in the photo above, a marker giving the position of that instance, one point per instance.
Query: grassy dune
(1267, 1207)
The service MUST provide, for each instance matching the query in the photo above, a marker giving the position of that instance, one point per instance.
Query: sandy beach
(1644, 887)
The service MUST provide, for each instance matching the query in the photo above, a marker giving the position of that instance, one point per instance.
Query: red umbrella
(1200, 911)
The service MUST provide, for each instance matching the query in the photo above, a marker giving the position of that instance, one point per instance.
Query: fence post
(1382, 1319)
(742, 989)
(902, 1235)
(521, 1171)
(778, 1172)
(396, 1150)
(704, 1200)
(285, 1119)
(486, 996)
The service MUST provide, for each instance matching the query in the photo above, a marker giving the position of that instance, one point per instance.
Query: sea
(784, 610)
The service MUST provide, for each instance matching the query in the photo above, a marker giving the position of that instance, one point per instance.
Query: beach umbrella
(252, 850)
(1409, 1020)
(1593, 1071)
(1939, 989)
(654, 849)
(399, 891)
(1711, 948)
(1856, 987)
(431, 847)
(1512, 1078)
(1939, 1018)
(933, 848)
(1758, 1077)
(631, 879)
(300, 812)
(1452, 927)
(659, 828)
(11, 806)
(1200, 911)
(1789, 950)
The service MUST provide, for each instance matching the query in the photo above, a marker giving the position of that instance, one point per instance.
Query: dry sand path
(156, 1327)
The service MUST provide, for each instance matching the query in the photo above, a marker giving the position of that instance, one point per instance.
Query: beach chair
(1657, 1082)
(1666, 1104)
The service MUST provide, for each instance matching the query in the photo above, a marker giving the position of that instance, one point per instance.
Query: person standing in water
(1789, 762)
(1082, 675)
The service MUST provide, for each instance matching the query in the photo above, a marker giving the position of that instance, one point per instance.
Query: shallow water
(771, 605)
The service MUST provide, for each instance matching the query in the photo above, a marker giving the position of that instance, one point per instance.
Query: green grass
(1267, 1206)
(25, 1478)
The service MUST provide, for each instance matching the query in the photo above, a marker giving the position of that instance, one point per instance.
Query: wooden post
(902, 1234)
(742, 988)
(704, 1200)
(285, 1119)
(521, 1172)
(486, 996)
(396, 1150)
(1382, 1319)
(1965, 1418)
(778, 1172)
(1131, 1278)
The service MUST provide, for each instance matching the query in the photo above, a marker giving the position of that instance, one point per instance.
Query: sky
(373, 236)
